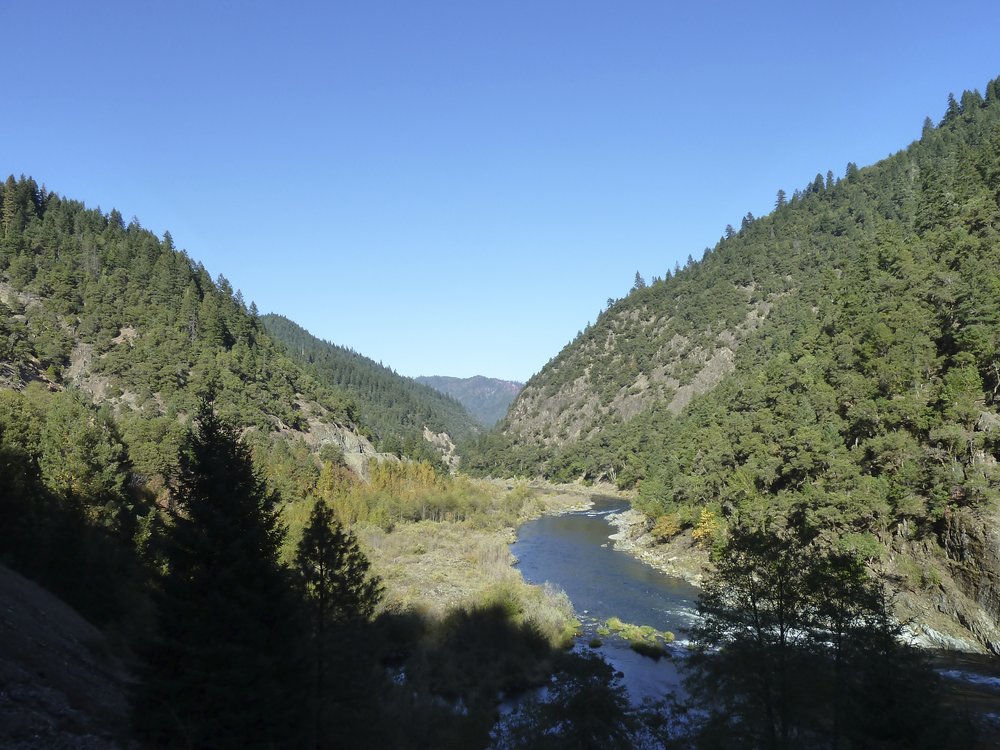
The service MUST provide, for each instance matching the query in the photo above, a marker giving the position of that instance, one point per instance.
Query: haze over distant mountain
(486, 399)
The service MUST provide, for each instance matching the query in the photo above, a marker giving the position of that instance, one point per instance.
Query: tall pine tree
(225, 670)
(341, 597)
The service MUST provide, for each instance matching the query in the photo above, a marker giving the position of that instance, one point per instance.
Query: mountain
(835, 363)
(96, 306)
(486, 399)
(89, 302)
(397, 408)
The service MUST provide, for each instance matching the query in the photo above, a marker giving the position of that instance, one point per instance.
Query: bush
(667, 527)
(708, 529)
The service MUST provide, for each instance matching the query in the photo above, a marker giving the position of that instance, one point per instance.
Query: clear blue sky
(457, 187)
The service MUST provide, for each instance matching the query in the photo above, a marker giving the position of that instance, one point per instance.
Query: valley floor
(432, 566)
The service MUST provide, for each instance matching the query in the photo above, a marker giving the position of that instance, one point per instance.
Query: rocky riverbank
(938, 614)
(679, 557)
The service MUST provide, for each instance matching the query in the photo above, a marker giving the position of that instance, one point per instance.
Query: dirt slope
(60, 684)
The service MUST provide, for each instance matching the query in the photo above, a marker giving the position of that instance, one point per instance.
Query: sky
(457, 188)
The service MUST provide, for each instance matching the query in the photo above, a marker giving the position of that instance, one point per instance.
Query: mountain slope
(909, 242)
(90, 303)
(486, 399)
(397, 408)
(834, 364)
(63, 684)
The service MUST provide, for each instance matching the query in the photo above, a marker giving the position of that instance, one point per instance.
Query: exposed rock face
(972, 543)
(598, 378)
(443, 444)
(357, 449)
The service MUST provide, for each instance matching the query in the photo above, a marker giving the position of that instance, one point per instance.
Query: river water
(572, 551)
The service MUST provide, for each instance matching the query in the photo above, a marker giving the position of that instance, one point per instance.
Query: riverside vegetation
(256, 622)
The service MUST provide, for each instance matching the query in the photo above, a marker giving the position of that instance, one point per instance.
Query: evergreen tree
(223, 671)
(640, 283)
(335, 571)
(780, 201)
(797, 649)
(952, 112)
(339, 593)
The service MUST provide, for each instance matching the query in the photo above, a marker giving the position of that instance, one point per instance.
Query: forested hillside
(486, 399)
(107, 307)
(887, 274)
(839, 358)
(397, 408)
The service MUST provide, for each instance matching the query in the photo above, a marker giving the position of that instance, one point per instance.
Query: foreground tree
(224, 671)
(798, 649)
(340, 596)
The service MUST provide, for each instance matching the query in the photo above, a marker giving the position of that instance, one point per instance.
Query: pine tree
(640, 283)
(335, 571)
(339, 592)
(796, 648)
(9, 206)
(223, 671)
(953, 111)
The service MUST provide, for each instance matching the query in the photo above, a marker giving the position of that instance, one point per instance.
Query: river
(573, 552)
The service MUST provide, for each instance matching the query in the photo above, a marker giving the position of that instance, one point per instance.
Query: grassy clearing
(462, 561)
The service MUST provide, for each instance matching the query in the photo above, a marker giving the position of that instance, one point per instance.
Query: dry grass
(433, 567)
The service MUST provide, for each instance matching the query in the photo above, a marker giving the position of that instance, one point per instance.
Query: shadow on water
(972, 683)
(573, 552)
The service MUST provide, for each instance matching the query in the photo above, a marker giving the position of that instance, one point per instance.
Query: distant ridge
(396, 407)
(486, 399)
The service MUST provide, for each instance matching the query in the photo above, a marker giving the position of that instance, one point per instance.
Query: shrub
(708, 528)
(667, 527)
